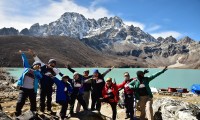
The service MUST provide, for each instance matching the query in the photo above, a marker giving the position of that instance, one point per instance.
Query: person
(97, 82)
(111, 96)
(128, 96)
(28, 85)
(143, 93)
(63, 92)
(46, 83)
(87, 87)
(77, 93)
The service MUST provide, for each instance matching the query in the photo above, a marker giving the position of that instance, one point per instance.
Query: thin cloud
(43, 14)
(153, 28)
(165, 34)
(135, 24)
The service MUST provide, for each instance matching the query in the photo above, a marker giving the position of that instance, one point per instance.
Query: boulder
(171, 109)
(3, 116)
(90, 115)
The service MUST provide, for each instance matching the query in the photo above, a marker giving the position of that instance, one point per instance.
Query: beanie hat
(52, 61)
(36, 63)
(86, 70)
(139, 73)
(76, 73)
(65, 77)
(95, 71)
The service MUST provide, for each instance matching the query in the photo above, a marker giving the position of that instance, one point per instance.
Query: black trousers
(23, 95)
(80, 99)
(129, 105)
(45, 93)
(113, 106)
(64, 107)
(96, 103)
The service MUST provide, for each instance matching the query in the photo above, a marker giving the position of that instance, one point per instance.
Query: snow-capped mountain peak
(105, 29)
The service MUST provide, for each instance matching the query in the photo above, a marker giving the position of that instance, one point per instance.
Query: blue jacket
(27, 67)
(61, 94)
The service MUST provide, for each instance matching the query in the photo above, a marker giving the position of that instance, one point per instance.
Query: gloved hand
(67, 66)
(146, 71)
(165, 68)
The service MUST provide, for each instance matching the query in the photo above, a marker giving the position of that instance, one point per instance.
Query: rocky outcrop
(6, 81)
(3, 116)
(25, 31)
(9, 31)
(171, 109)
(186, 40)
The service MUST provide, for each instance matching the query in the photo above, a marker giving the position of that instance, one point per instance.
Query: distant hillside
(103, 42)
(64, 49)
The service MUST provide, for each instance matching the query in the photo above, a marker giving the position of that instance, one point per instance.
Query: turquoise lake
(183, 78)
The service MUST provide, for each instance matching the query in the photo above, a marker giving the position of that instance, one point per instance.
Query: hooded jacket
(46, 81)
(87, 86)
(27, 67)
(136, 83)
(63, 90)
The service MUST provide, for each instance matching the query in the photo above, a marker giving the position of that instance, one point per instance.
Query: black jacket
(87, 86)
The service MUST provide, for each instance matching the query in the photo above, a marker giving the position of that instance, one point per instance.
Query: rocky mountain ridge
(113, 36)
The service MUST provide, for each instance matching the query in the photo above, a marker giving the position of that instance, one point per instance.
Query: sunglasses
(108, 81)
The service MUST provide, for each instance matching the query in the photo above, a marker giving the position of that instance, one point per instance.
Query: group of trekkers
(80, 88)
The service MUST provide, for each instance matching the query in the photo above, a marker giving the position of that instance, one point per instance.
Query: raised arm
(70, 69)
(120, 86)
(88, 80)
(157, 74)
(107, 71)
(131, 85)
(25, 60)
(57, 71)
(56, 80)
(35, 57)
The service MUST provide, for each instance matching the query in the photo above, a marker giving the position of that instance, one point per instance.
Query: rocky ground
(165, 108)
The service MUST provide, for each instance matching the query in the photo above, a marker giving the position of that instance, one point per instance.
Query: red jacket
(124, 85)
(114, 90)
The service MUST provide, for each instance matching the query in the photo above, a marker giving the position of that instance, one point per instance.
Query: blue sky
(158, 17)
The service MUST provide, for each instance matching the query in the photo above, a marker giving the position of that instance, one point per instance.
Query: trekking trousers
(146, 109)
(45, 93)
(129, 100)
(80, 99)
(86, 97)
(23, 95)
